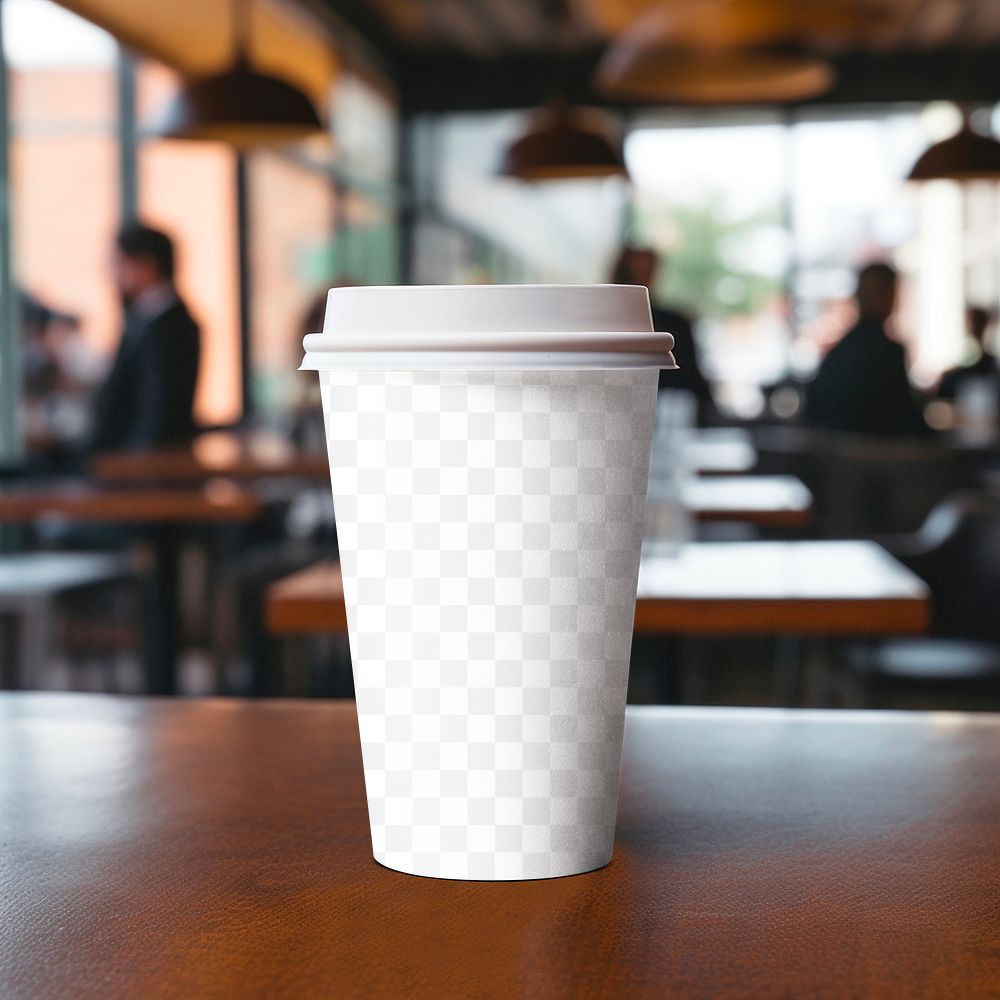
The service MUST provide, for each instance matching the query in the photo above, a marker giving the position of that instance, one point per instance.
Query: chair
(868, 487)
(863, 486)
(957, 553)
(30, 584)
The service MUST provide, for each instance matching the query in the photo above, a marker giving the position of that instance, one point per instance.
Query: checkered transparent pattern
(490, 526)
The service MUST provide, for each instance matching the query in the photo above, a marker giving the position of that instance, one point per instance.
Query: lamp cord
(241, 30)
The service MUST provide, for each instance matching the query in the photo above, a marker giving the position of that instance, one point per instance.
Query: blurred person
(978, 322)
(60, 374)
(638, 266)
(36, 361)
(862, 386)
(306, 416)
(147, 399)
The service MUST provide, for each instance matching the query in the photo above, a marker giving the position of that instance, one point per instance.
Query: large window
(364, 123)
(64, 207)
(761, 219)
(189, 190)
(370, 241)
(763, 223)
(292, 231)
(848, 205)
(565, 231)
(321, 213)
(711, 200)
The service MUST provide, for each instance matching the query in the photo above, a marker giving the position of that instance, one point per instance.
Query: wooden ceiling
(488, 27)
(455, 54)
(196, 38)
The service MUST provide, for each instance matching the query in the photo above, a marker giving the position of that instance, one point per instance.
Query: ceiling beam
(464, 26)
(439, 81)
(370, 29)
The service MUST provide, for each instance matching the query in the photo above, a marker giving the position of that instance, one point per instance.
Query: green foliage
(698, 271)
(368, 255)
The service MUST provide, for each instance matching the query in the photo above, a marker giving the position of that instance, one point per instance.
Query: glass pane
(370, 245)
(364, 127)
(710, 200)
(292, 231)
(64, 207)
(849, 206)
(189, 190)
(563, 231)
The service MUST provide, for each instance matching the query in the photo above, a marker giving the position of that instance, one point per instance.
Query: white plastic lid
(487, 327)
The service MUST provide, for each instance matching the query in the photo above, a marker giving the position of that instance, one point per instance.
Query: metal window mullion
(128, 191)
(245, 273)
(10, 380)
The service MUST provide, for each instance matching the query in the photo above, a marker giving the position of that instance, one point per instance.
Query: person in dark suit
(638, 266)
(147, 399)
(862, 386)
(978, 321)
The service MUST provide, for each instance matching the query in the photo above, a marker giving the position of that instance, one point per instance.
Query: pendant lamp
(670, 55)
(712, 78)
(709, 25)
(967, 156)
(560, 146)
(240, 105)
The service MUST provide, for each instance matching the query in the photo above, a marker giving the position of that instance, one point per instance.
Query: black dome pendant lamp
(968, 155)
(559, 145)
(240, 106)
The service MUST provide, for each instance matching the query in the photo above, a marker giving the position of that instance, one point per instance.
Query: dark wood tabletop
(710, 588)
(218, 500)
(222, 453)
(308, 600)
(259, 454)
(220, 848)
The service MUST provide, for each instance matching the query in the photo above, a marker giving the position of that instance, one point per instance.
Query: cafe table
(159, 848)
(720, 451)
(766, 501)
(259, 454)
(233, 455)
(792, 590)
(162, 514)
(827, 588)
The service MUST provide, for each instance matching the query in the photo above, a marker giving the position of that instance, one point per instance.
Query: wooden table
(804, 588)
(711, 588)
(162, 513)
(176, 849)
(715, 451)
(767, 501)
(218, 500)
(721, 451)
(233, 455)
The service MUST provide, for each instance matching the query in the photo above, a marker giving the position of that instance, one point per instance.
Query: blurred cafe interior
(810, 191)
(807, 798)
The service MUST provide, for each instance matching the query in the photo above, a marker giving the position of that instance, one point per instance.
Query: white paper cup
(489, 455)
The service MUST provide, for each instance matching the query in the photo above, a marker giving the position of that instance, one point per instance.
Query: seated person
(862, 386)
(978, 322)
(638, 266)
